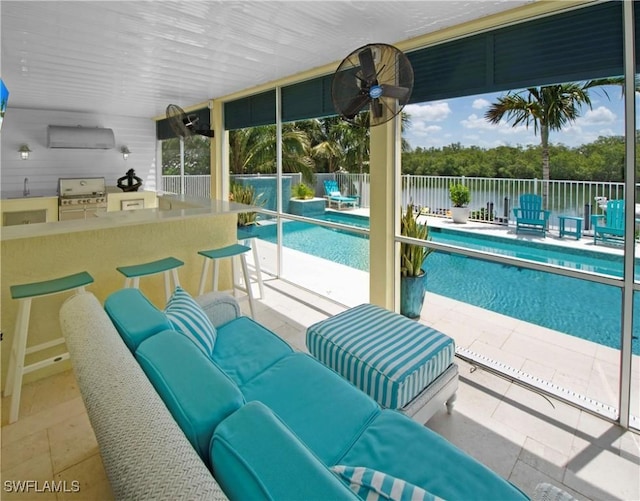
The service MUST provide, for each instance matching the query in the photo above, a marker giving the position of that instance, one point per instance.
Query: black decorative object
(129, 182)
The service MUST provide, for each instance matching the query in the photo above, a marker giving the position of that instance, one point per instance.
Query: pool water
(583, 309)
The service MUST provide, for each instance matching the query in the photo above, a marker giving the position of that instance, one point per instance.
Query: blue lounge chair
(609, 227)
(333, 195)
(530, 216)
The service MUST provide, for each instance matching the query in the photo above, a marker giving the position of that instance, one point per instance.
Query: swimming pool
(583, 309)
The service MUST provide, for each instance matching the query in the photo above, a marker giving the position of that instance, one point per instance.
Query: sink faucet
(25, 190)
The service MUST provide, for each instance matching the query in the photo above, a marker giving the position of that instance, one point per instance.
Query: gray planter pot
(412, 292)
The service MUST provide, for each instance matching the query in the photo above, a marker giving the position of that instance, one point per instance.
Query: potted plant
(304, 201)
(460, 198)
(245, 194)
(413, 277)
(302, 191)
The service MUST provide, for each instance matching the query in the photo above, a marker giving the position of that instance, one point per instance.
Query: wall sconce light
(24, 151)
(125, 152)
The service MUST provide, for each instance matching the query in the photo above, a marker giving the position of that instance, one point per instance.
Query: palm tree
(253, 150)
(325, 146)
(547, 108)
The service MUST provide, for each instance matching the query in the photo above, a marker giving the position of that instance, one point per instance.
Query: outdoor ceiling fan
(378, 76)
(184, 125)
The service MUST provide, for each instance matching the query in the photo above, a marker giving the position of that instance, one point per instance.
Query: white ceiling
(134, 57)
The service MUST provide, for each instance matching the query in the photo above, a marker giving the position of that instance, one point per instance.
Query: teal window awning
(251, 111)
(309, 99)
(580, 44)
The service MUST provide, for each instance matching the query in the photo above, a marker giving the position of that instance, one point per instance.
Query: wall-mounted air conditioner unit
(92, 138)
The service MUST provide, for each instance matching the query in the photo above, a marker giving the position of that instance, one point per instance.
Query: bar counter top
(180, 228)
(170, 208)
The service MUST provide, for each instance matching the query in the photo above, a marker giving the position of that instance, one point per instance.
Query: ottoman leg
(449, 403)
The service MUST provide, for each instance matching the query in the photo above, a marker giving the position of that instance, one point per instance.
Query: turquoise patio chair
(334, 196)
(609, 227)
(530, 216)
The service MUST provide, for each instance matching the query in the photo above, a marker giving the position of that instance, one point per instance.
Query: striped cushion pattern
(373, 485)
(388, 356)
(187, 316)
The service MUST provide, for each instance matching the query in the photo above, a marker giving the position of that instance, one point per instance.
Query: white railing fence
(492, 199)
(196, 185)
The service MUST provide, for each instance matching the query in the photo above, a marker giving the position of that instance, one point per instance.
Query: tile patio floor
(523, 436)
(579, 369)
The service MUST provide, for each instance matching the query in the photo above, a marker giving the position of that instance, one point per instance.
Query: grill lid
(81, 187)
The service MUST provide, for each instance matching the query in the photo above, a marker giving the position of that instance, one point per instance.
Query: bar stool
(231, 251)
(248, 238)
(24, 294)
(168, 266)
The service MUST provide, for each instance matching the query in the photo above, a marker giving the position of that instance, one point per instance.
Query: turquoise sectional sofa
(271, 423)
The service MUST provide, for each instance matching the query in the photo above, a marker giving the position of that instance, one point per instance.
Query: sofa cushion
(197, 393)
(254, 455)
(186, 316)
(401, 447)
(327, 412)
(373, 485)
(134, 316)
(245, 348)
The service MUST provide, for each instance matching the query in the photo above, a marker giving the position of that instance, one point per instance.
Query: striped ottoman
(400, 363)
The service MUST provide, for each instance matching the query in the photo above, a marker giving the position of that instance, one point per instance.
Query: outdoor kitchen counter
(41, 204)
(37, 252)
(170, 207)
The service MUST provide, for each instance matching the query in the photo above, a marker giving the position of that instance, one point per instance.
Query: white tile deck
(523, 436)
(573, 365)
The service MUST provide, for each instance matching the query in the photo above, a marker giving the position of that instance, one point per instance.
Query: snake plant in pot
(245, 195)
(413, 277)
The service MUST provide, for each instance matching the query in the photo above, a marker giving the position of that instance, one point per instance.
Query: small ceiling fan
(184, 125)
(378, 76)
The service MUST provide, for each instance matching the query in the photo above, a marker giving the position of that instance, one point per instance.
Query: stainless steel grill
(81, 198)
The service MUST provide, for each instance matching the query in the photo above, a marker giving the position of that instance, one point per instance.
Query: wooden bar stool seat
(168, 266)
(24, 293)
(229, 252)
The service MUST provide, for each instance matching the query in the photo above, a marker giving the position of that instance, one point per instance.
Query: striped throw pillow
(186, 316)
(373, 485)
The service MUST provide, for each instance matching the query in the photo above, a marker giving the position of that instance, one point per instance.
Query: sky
(461, 120)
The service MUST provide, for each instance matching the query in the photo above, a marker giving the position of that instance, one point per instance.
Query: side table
(576, 231)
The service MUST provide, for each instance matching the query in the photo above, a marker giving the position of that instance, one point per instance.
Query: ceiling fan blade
(400, 93)
(346, 82)
(190, 120)
(205, 132)
(356, 104)
(368, 66)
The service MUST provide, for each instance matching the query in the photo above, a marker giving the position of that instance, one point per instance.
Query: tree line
(331, 144)
(600, 160)
(327, 147)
